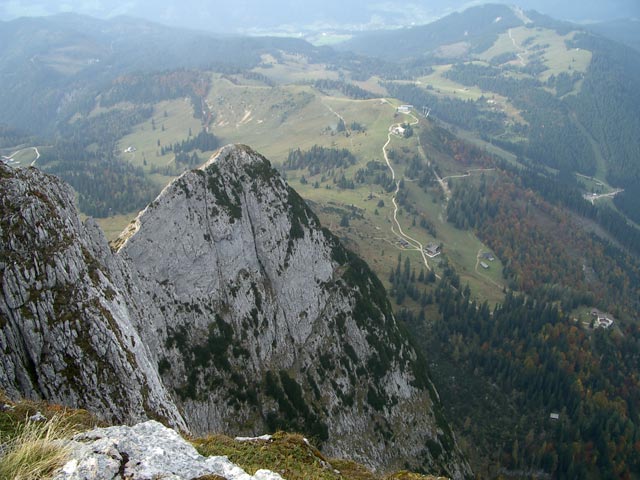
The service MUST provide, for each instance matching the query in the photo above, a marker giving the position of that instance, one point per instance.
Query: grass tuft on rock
(36, 449)
(33, 450)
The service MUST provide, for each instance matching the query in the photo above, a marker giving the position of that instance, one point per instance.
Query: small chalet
(488, 256)
(484, 265)
(601, 320)
(398, 130)
(432, 250)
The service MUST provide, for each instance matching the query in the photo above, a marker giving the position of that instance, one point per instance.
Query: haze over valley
(314, 16)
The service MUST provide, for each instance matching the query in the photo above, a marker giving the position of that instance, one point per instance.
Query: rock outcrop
(145, 451)
(227, 288)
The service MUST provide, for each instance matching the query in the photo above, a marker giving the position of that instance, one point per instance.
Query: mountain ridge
(70, 58)
(486, 21)
(254, 318)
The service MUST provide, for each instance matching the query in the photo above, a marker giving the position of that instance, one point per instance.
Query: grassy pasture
(294, 69)
(461, 247)
(172, 120)
(113, 226)
(276, 120)
(25, 157)
(549, 45)
(437, 84)
(443, 86)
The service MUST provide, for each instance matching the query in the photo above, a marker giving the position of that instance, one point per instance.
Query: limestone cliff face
(264, 321)
(228, 294)
(66, 331)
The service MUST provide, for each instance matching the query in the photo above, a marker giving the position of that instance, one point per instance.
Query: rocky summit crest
(225, 307)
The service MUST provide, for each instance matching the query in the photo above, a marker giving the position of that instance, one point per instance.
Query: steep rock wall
(66, 331)
(265, 321)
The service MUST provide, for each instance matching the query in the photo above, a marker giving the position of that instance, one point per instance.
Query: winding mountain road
(468, 174)
(396, 228)
(37, 156)
(35, 149)
(518, 47)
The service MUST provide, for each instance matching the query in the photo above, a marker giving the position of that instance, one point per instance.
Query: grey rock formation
(66, 330)
(227, 288)
(147, 451)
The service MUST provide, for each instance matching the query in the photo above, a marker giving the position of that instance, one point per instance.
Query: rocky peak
(253, 318)
(254, 296)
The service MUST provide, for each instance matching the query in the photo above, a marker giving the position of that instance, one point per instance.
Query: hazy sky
(256, 15)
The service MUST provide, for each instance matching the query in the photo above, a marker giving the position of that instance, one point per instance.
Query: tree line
(553, 138)
(347, 89)
(319, 159)
(149, 88)
(607, 105)
(203, 141)
(86, 156)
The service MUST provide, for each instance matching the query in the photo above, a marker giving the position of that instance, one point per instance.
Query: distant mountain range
(284, 15)
(70, 60)
(478, 26)
(567, 77)
(68, 56)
